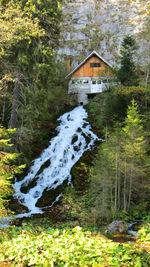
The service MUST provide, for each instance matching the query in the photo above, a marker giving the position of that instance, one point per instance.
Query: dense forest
(111, 182)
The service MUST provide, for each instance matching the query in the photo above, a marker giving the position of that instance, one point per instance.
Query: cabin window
(85, 81)
(93, 82)
(99, 82)
(73, 81)
(105, 81)
(95, 65)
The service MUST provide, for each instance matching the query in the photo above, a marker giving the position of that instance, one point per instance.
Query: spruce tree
(127, 72)
(120, 176)
(29, 34)
(134, 156)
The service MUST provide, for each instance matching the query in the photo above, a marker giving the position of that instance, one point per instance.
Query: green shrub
(55, 247)
(144, 232)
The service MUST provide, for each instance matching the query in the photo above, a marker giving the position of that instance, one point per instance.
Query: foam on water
(73, 139)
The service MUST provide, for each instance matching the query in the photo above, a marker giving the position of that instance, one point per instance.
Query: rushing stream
(73, 139)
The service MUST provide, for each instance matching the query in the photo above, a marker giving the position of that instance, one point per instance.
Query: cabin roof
(90, 55)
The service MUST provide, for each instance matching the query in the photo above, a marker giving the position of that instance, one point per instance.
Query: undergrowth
(44, 244)
(144, 232)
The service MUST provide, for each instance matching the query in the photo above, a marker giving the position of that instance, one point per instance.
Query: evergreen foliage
(7, 168)
(120, 172)
(107, 108)
(31, 82)
(127, 73)
(33, 93)
(29, 34)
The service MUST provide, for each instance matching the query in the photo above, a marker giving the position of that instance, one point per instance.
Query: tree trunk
(130, 187)
(119, 204)
(116, 182)
(15, 104)
(147, 77)
(103, 200)
(125, 183)
(111, 194)
(3, 112)
(146, 84)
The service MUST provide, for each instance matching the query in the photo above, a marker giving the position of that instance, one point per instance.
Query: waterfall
(73, 139)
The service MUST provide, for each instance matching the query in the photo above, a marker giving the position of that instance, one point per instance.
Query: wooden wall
(86, 71)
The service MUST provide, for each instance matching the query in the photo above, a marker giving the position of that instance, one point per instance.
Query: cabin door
(96, 86)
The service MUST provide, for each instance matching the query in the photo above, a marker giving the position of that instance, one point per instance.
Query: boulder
(118, 227)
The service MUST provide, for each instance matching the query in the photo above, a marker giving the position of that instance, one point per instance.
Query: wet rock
(49, 196)
(16, 207)
(118, 227)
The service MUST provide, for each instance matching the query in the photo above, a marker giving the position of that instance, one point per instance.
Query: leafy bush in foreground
(144, 232)
(54, 247)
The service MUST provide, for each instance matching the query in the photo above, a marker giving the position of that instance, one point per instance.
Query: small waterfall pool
(73, 139)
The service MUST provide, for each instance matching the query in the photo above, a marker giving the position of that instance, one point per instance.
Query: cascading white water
(74, 137)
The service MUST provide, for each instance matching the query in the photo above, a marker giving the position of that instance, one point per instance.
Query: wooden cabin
(92, 76)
